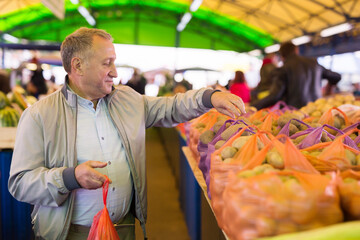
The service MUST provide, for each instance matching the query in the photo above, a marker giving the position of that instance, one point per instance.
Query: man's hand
(88, 177)
(228, 104)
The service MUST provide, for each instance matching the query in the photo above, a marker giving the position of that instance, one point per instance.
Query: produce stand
(15, 215)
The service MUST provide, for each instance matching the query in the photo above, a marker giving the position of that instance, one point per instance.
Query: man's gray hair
(79, 43)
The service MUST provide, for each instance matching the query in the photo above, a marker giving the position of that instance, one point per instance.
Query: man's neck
(76, 90)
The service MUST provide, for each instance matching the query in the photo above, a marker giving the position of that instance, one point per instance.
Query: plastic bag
(205, 150)
(349, 190)
(102, 227)
(220, 170)
(332, 156)
(271, 202)
(329, 117)
(199, 125)
(278, 202)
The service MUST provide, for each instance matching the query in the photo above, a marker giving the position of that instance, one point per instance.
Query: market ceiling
(239, 25)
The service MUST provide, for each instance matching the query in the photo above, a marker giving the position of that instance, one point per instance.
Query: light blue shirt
(97, 139)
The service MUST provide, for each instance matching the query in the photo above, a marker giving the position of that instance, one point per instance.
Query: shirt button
(90, 104)
(113, 189)
(112, 214)
(102, 138)
(109, 162)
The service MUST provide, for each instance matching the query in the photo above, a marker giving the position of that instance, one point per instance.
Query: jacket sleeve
(331, 76)
(30, 181)
(277, 89)
(169, 111)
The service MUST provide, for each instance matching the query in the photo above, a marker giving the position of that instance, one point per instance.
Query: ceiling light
(10, 38)
(301, 40)
(184, 20)
(85, 13)
(195, 5)
(255, 53)
(272, 48)
(336, 29)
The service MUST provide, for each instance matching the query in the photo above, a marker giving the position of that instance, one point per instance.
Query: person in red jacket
(239, 87)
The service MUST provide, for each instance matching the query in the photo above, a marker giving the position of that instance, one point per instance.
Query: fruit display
(280, 170)
(9, 117)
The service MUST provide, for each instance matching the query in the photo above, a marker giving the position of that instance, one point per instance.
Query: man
(67, 142)
(298, 81)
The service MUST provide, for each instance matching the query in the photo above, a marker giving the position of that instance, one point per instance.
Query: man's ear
(77, 65)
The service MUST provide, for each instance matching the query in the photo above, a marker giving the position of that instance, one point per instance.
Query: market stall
(15, 215)
(280, 170)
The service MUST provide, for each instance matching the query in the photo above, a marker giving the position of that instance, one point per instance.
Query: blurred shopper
(137, 82)
(298, 81)
(4, 81)
(67, 142)
(267, 67)
(239, 87)
(37, 85)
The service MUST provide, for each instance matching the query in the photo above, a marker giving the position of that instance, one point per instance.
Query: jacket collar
(71, 97)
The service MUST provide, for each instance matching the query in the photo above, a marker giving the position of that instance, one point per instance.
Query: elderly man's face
(99, 69)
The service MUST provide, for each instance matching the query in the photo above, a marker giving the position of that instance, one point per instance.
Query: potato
(325, 137)
(207, 136)
(228, 160)
(302, 127)
(292, 129)
(240, 142)
(351, 157)
(338, 121)
(299, 139)
(228, 152)
(219, 144)
(316, 113)
(218, 125)
(275, 130)
(315, 125)
(246, 174)
(229, 132)
(257, 122)
(265, 226)
(200, 125)
(358, 159)
(273, 158)
(261, 168)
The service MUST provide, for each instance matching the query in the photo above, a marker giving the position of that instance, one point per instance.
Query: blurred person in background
(298, 81)
(267, 67)
(37, 85)
(137, 82)
(4, 81)
(239, 87)
(67, 142)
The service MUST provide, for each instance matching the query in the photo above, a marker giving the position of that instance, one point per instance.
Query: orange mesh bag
(332, 118)
(349, 190)
(220, 169)
(268, 121)
(332, 156)
(102, 227)
(281, 202)
(262, 201)
(198, 126)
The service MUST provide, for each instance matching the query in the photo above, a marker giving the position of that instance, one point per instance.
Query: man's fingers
(240, 105)
(226, 112)
(97, 164)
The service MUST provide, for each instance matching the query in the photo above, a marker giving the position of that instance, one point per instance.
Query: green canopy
(150, 22)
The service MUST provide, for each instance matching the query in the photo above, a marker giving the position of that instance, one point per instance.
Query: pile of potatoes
(266, 201)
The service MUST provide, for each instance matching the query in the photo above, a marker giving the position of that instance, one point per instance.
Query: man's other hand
(228, 104)
(88, 177)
